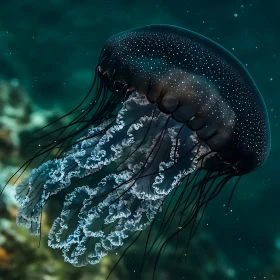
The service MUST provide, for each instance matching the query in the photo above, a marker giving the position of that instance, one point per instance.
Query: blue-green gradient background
(52, 48)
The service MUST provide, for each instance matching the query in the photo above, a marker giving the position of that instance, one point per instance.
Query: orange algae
(5, 258)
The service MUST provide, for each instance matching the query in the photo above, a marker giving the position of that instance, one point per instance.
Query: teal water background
(52, 48)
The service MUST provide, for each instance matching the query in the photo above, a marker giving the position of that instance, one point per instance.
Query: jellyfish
(168, 109)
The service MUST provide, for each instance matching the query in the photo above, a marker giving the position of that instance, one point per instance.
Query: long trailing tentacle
(97, 111)
(207, 192)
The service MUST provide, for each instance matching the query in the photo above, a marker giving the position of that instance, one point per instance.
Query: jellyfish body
(186, 105)
(199, 83)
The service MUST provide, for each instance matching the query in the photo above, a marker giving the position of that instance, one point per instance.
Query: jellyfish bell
(197, 81)
(167, 103)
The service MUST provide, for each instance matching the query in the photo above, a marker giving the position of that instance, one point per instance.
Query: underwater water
(48, 55)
